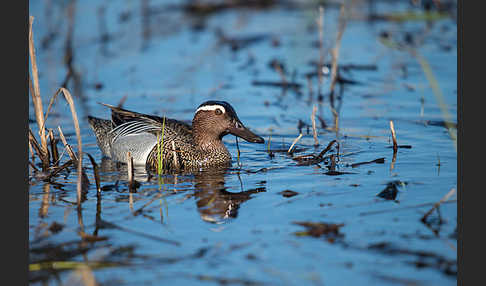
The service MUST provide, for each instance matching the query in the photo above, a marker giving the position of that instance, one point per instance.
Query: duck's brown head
(215, 119)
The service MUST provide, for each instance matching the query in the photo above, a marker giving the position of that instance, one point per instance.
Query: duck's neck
(208, 143)
(207, 139)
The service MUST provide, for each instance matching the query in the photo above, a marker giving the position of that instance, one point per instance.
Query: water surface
(235, 226)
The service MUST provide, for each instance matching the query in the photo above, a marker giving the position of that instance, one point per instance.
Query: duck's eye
(218, 111)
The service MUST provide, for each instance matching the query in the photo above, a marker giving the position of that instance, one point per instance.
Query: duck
(169, 144)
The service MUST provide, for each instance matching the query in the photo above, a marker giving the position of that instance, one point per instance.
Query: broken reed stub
(295, 141)
(130, 171)
(174, 154)
(394, 136)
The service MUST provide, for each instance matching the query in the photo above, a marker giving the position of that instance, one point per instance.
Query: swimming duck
(181, 146)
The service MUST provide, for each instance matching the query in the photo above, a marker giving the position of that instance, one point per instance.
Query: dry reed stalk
(37, 101)
(394, 159)
(54, 151)
(394, 137)
(36, 98)
(437, 204)
(79, 160)
(130, 171)
(295, 141)
(44, 208)
(332, 167)
(328, 147)
(336, 49)
(314, 129)
(96, 171)
(51, 103)
(32, 155)
(237, 152)
(335, 115)
(60, 168)
(35, 145)
(79, 212)
(31, 88)
(174, 154)
(98, 214)
(69, 99)
(130, 202)
(67, 146)
(269, 143)
(269, 151)
(122, 101)
(33, 166)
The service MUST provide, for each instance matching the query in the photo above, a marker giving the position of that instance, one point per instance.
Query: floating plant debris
(288, 193)
(378, 161)
(337, 173)
(311, 159)
(56, 227)
(317, 229)
(391, 190)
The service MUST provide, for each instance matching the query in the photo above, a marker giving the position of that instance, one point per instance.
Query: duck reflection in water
(215, 204)
(213, 200)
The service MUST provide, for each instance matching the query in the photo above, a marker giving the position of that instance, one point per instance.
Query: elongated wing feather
(132, 128)
(126, 123)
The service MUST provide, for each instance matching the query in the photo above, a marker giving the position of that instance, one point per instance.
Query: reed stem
(160, 151)
(394, 137)
(295, 141)
(314, 129)
(36, 98)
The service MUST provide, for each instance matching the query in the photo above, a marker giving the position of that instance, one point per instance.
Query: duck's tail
(102, 128)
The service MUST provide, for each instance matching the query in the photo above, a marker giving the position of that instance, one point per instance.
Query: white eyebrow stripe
(211, 107)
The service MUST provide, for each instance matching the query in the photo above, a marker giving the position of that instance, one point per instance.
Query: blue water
(234, 227)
